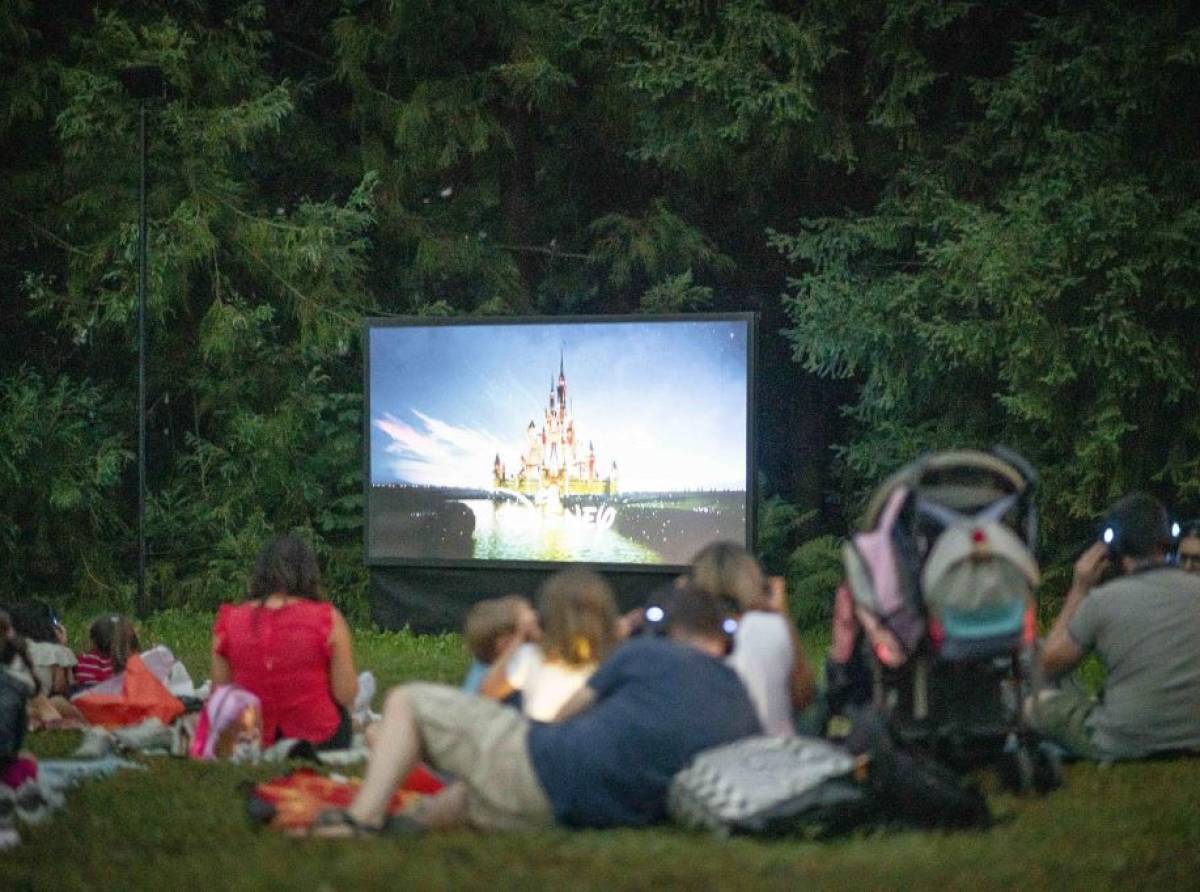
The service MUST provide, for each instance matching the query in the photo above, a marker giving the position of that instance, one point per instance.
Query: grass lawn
(181, 825)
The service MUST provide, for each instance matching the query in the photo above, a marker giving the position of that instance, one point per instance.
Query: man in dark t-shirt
(652, 706)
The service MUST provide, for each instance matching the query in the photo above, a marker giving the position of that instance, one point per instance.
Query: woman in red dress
(290, 648)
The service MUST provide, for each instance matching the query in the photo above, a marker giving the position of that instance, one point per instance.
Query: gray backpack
(769, 786)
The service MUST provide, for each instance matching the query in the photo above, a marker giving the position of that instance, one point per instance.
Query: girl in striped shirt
(114, 640)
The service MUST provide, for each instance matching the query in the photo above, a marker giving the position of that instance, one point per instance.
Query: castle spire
(562, 383)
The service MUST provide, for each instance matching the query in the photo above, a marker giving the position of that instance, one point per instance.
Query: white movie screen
(605, 442)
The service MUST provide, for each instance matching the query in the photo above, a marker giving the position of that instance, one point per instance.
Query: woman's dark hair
(286, 564)
(115, 637)
(34, 620)
(12, 646)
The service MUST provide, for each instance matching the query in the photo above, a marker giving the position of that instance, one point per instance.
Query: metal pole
(142, 605)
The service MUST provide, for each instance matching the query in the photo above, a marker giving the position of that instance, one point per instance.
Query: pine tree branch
(58, 240)
(293, 290)
(545, 249)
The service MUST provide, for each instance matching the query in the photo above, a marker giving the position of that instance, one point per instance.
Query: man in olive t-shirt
(1145, 628)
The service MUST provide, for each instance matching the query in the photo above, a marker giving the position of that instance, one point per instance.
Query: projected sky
(665, 400)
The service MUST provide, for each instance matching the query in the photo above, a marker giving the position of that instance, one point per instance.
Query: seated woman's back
(281, 654)
(289, 649)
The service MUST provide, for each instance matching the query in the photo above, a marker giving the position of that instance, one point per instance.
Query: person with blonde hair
(556, 651)
(766, 655)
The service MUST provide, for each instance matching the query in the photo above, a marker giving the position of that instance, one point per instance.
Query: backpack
(883, 586)
(978, 584)
(770, 786)
(229, 727)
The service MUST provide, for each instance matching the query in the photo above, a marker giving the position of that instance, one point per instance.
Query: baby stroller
(935, 626)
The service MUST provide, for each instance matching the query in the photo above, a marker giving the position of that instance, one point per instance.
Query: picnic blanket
(291, 803)
(63, 773)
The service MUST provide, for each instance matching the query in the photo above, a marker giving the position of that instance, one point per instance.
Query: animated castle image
(553, 462)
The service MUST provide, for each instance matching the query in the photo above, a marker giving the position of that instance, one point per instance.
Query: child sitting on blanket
(53, 664)
(490, 629)
(114, 640)
(578, 628)
(46, 639)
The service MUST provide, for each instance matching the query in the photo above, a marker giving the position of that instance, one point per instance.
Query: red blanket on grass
(291, 802)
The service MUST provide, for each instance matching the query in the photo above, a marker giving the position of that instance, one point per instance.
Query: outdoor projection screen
(612, 441)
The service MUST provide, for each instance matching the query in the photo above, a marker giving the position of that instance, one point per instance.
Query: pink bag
(230, 726)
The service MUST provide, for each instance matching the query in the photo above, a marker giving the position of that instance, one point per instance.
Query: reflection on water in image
(512, 531)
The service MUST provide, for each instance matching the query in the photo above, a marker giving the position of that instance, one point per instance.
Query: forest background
(962, 223)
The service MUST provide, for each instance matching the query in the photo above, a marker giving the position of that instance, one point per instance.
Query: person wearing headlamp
(1143, 625)
(1187, 551)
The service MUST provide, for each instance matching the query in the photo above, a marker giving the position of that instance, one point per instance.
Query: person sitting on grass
(289, 648)
(1144, 626)
(767, 654)
(53, 665)
(114, 640)
(555, 651)
(46, 640)
(645, 713)
(491, 627)
(1187, 552)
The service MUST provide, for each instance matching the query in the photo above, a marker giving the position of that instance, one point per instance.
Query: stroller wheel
(1047, 769)
(1016, 770)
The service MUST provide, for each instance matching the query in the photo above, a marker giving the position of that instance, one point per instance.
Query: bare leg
(397, 748)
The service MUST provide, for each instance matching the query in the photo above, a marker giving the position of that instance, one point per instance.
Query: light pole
(142, 82)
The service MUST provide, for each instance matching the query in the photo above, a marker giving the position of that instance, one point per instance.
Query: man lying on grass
(649, 708)
(1144, 626)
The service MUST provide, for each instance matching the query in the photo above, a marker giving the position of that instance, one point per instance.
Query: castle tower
(554, 460)
(562, 383)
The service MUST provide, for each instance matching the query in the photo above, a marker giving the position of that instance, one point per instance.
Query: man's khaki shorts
(1061, 715)
(484, 744)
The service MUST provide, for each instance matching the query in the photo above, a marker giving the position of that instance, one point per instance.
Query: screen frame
(371, 323)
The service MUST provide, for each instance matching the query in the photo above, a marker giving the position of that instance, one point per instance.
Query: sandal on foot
(402, 825)
(337, 823)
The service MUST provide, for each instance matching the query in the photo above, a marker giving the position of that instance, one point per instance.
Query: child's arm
(495, 684)
(802, 682)
(60, 681)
